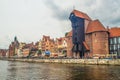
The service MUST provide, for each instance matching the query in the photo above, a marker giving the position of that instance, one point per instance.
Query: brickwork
(96, 36)
(100, 43)
(69, 46)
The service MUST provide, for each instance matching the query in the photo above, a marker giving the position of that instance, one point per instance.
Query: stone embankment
(72, 61)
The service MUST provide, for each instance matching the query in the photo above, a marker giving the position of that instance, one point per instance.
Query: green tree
(66, 33)
(39, 52)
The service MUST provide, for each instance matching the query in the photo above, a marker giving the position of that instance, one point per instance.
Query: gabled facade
(47, 43)
(69, 44)
(61, 45)
(3, 52)
(29, 49)
(61, 42)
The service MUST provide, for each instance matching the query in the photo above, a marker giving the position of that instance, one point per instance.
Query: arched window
(95, 34)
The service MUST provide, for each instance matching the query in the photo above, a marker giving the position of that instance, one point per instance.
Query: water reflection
(49, 71)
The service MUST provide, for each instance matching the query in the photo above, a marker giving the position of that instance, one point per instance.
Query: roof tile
(114, 32)
(94, 26)
(81, 14)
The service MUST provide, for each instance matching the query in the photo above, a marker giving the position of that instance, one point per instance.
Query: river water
(10, 70)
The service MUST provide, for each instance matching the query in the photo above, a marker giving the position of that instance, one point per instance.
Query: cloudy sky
(30, 19)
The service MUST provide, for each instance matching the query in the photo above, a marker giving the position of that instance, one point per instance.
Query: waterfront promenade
(68, 61)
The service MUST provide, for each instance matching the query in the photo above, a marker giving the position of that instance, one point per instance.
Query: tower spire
(15, 38)
(73, 7)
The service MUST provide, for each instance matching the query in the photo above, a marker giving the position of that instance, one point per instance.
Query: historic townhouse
(114, 41)
(69, 44)
(47, 43)
(13, 47)
(61, 45)
(3, 52)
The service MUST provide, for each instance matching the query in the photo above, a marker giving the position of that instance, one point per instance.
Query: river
(10, 70)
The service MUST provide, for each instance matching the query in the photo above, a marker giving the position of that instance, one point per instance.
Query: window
(119, 46)
(119, 53)
(114, 46)
(72, 15)
(111, 42)
(95, 34)
(115, 40)
(118, 39)
(111, 48)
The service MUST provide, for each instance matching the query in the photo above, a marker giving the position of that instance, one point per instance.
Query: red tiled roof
(114, 32)
(60, 40)
(81, 14)
(46, 38)
(94, 26)
(86, 46)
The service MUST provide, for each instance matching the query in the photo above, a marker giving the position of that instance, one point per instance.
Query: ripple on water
(48, 71)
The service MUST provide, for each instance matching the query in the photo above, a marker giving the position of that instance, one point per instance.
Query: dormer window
(72, 15)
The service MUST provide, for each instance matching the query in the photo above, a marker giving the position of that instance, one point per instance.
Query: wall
(69, 46)
(100, 43)
(73, 61)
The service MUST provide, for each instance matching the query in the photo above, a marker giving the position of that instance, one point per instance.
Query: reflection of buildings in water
(19, 70)
(31, 71)
(47, 71)
(90, 72)
(11, 71)
(3, 69)
(56, 72)
(99, 72)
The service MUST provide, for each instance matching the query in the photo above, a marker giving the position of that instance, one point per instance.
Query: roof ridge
(94, 26)
(114, 32)
(81, 14)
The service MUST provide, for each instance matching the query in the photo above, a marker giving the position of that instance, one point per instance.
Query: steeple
(15, 38)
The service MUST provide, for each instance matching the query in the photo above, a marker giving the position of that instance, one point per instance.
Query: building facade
(47, 43)
(114, 41)
(13, 47)
(69, 45)
(90, 35)
(3, 52)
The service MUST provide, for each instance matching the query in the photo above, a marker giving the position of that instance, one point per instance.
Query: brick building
(69, 44)
(93, 36)
(61, 44)
(96, 37)
(114, 41)
(13, 47)
(26, 49)
(3, 52)
(47, 43)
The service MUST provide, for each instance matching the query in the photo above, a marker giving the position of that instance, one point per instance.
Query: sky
(29, 20)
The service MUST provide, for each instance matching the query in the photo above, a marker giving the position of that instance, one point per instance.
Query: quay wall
(71, 61)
